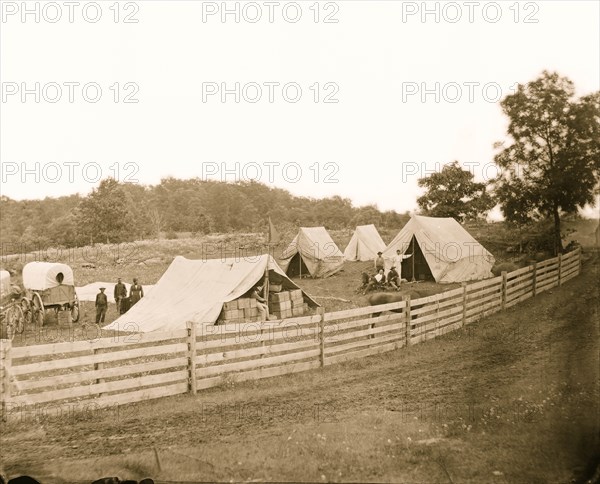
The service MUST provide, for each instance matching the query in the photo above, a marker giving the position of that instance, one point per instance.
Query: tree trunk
(557, 240)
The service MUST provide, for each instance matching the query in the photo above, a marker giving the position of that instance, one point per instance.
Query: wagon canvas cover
(315, 249)
(364, 244)
(195, 290)
(452, 254)
(43, 275)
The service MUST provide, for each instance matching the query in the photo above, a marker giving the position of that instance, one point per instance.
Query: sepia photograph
(311, 241)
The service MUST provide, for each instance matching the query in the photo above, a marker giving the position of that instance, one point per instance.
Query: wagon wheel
(75, 310)
(38, 310)
(17, 318)
(27, 311)
(13, 320)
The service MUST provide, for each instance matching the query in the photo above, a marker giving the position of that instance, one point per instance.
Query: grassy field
(511, 398)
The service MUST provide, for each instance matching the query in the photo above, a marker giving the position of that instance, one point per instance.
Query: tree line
(118, 212)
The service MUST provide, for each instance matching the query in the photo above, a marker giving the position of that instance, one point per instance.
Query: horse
(392, 297)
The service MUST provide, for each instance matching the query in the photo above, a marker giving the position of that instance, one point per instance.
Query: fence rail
(134, 367)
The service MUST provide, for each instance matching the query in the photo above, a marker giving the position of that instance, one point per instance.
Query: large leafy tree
(551, 165)
(453, 192)
(106, 214)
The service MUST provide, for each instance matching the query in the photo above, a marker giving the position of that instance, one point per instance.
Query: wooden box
(250, 312)
(280, 306)
(230, 305)
(280, 296)
(244, 303)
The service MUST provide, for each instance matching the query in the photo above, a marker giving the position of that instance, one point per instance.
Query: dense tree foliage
(552, 165)
(116, 212)
(453, 192)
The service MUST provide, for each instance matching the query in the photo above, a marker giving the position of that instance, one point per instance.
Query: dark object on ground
(24, 480)
(391, 297)
(125, 305)
(504, 266)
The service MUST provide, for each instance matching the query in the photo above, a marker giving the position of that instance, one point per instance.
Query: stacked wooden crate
(287, 304)
(239, 311)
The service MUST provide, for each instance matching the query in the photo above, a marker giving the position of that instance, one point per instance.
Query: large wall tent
(196, 291)
(443, 251)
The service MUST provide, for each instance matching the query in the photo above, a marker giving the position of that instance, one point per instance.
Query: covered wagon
(49, 285)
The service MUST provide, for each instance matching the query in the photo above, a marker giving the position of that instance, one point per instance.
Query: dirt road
(512, 398)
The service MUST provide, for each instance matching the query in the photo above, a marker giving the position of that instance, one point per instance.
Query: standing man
(397, 263)
(101, 305)
(379, 262)
(120, 294)
(136, 292)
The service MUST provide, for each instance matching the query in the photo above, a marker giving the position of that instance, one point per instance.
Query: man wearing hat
(397, 262)
(136, 292)
(101, 305)
(120, 294)
(379, 262)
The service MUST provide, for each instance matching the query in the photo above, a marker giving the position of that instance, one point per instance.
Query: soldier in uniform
(101, 305)
(136, 292)
(120, 294)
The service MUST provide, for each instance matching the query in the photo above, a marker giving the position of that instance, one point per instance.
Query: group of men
(136, 292)
(393, 278)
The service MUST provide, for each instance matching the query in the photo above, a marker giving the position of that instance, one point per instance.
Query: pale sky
(385, 62)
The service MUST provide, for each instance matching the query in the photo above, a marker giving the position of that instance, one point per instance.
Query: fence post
(407, 318)
(321, 313)
(579, 260)
(534, 276)
(503, 290)
(5, 365)
(437, 312)
(98, 366)
(559, 269)
(464, 302)
(191, 347)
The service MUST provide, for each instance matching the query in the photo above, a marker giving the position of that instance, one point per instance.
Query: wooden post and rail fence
(133, 367)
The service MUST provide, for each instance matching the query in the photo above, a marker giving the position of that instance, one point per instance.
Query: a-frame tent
(312, 252)
(364, 244)
(443, 251)
(195, 290)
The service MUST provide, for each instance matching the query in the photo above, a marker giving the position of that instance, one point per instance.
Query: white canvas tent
(195, 290)
(364, 244)
(443, 250)
(313, 252)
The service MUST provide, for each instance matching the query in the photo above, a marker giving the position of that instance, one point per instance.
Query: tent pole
(266, 285)
(414, 255)
(300, 265)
